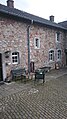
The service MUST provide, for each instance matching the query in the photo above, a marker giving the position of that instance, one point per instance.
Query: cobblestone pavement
(39, 101)
(54, 74)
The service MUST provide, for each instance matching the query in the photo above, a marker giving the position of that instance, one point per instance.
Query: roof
(64, 24)
(21, 14)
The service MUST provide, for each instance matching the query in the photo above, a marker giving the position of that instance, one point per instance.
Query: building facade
(29, 41)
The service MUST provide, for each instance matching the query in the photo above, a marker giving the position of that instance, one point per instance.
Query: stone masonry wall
(47, 38)
(13, 37)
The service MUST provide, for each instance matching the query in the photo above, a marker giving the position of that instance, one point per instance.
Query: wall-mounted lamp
(7, 54)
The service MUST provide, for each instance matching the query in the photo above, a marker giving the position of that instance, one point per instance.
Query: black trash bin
(40, 74)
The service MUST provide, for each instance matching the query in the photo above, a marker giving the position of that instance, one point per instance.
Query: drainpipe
(28, 30)
(28, 39)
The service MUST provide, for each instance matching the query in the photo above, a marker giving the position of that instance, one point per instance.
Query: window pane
(13, 60)
(12, 57)
(16, 60)
(16, 53)
(12, 53)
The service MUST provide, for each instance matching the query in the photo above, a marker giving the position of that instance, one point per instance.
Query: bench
(18, 73)
(40, 74)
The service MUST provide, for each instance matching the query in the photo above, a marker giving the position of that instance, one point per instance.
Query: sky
(43, 8)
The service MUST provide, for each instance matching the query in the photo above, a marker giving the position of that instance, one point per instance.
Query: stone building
(29, 41)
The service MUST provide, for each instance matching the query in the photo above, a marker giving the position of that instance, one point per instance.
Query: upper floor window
(15, 57)
(51, 55)
(37, 43)
(59, 55)
(57, 36)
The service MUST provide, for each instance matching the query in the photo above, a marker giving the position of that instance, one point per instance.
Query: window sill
(51, 61)
(58, 60)
(37, 48)
(58, 42)
(15, 63)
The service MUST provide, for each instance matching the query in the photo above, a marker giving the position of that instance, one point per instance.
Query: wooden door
(66, 58)
(32, 67)
(1, 73)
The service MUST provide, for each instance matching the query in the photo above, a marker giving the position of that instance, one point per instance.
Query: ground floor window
(58, 54)
(15, 57)
(51, 55)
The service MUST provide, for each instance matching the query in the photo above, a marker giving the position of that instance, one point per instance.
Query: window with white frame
(58, 37)
(37, 43)
(51, 55)
(58, 54)
(15, 57)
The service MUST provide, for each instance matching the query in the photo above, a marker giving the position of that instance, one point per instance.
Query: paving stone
(29, 101)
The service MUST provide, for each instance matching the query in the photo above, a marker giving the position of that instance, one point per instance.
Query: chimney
(10, 3)
(52, 18)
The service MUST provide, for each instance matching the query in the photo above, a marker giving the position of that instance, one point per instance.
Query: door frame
(3, 67)
(66, 58)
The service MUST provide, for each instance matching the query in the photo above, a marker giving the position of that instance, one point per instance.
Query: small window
(57, 36)
(37, 43)
(15, 57)
(59, 54)
(51, 55)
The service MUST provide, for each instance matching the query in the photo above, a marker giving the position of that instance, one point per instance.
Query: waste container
(40, 74)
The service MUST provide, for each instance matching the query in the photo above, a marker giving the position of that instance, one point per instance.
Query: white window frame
(59, 54)
(15, 57)
(36, 46)
(51, 55)
(57, 36)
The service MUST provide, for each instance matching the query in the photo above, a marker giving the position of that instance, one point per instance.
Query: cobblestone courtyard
(39, 101)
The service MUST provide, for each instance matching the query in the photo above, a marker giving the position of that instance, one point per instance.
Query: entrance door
(66, 58)
(32, 67)
(1, 73)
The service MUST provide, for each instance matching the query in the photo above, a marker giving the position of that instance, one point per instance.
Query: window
(59, 54)
(37, 43)
(57, 36)
(51, 55)
(15, 57)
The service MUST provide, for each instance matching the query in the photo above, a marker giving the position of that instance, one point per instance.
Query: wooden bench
(18, 73)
